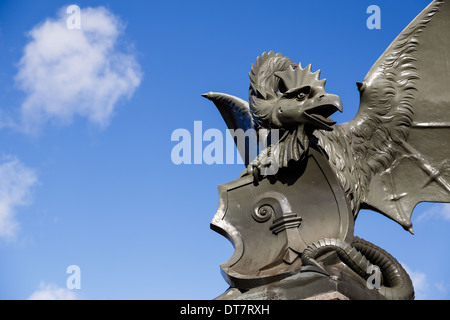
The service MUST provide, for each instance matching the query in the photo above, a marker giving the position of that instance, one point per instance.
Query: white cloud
(439, 211)
(441, 287)
(52, 292)
(67, 72)
(16, 181)
(419, 280)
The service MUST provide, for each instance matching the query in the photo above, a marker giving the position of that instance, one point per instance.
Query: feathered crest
(272, 74)
(263, 82)
(293, 78)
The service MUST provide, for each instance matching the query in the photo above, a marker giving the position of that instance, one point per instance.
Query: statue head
(285, 95)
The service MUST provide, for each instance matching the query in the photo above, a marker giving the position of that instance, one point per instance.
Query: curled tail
(359, 256)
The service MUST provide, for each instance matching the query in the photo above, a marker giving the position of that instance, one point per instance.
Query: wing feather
(400, 137)
(237, 116)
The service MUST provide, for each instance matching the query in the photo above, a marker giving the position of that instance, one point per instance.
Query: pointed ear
(361, 86)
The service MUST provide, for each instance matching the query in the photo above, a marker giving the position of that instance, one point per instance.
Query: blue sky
(86, 118)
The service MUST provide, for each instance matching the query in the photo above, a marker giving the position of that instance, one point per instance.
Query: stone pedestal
(309, 284)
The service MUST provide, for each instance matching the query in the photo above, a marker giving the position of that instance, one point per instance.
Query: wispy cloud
(439, 211)
(68, 72)
(442, 287)
(16, 181)
(420, 282)
(52, 292)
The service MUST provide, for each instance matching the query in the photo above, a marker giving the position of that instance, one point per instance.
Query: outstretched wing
(247, 134)
(401, 134)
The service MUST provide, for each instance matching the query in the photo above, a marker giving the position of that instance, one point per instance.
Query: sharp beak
(335, 101)
(321, 111)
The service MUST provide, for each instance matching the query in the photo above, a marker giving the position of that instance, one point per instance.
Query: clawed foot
(257, 168)
(262, 165)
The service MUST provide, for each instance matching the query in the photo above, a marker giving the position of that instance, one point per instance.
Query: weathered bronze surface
(264, 220)
(294, 226)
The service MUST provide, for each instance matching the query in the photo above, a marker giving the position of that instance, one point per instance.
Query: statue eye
(301, 96)
(303, 93)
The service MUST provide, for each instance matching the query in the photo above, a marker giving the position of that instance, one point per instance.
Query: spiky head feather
(272, 75)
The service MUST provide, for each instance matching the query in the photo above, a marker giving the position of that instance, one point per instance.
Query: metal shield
(270, 222)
